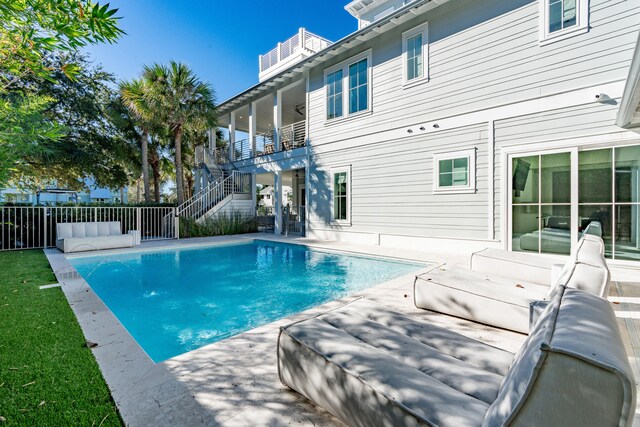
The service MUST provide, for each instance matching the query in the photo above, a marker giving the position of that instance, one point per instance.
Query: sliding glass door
(541, 203)
(605, 201)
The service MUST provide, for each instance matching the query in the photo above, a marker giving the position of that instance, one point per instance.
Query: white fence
(35, 227)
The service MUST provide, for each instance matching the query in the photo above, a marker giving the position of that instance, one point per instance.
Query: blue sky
(219, 40)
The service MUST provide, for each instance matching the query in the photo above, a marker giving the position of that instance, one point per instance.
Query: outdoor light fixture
(436, 126)
(421, 127)
(409, 131)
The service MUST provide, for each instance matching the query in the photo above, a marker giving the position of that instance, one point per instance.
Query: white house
(52, 194)
(456, 124)
(266, 196)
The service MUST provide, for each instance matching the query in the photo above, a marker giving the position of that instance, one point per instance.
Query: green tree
(133, 96)
(184, 103)
(93, 143)
(32, 32)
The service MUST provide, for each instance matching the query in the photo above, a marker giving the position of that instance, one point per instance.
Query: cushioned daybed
(502, 299)
(91, 236)
(370, 366)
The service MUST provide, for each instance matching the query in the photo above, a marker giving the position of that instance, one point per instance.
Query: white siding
(481, 55)
(392, 187)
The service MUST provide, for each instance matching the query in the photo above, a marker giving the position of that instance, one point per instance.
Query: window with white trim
(334, 94)
(353, 79)
(455, 172)
(341, 185)
(358, 86)
(414, 54)
(560, 19)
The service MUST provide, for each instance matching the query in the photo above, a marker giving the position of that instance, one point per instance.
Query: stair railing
(196, 207)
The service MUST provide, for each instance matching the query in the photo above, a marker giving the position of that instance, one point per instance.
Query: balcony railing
(303, 41)
(293, 136)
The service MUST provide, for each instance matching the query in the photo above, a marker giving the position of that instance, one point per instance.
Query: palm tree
(133, 96)
(181, 101)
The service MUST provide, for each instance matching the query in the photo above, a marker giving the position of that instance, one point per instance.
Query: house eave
(629, 111)
(349, 42)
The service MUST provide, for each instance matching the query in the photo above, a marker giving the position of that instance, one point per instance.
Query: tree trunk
(155, 167)
(138, 190)
(144, 145)
(177, 139)
(189, 179)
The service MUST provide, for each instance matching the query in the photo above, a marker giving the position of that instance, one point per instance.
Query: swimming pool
(174, 301)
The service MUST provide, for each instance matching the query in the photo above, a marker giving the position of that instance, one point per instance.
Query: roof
(629, 112)
(359, 7)
(354, 39)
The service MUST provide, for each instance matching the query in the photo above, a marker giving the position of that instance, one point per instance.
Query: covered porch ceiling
(287, 177)
(293, 110)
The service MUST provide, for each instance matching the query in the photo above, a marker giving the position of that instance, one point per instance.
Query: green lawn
(47, 375)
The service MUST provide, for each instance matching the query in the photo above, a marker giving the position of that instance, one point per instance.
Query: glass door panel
(595, 195)
(541, 197)
(627, 199)
(525, 225)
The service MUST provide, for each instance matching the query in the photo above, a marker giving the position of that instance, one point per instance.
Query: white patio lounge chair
(503, 297)
(370, 366)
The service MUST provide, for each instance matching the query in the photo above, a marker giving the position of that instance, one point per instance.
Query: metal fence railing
(34, 227)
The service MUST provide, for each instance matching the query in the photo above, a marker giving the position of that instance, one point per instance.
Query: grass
(48, 377)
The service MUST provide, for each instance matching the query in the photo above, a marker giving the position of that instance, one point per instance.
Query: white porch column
(254, 196)
(277, 119)
(277, 202)
(252, 128)
(232, 134)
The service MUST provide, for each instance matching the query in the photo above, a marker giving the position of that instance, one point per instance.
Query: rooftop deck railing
(303, 40)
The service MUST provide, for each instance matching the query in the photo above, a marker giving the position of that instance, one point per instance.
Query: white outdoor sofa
(502, 297)
(370, 366)
(91, 236)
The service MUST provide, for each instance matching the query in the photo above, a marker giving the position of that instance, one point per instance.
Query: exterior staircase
(225, 190)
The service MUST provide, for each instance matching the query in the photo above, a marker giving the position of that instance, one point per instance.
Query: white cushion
(114, 228)
(103, 229)
(78, 229)
(91, 229)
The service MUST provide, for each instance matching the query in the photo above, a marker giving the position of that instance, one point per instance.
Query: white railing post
(44, 213)
(252, 129)
(279, 51)
(232, 135)
(139, 220)
(301, 38)
(176, 224)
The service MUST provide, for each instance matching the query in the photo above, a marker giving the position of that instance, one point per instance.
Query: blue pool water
(175, 301)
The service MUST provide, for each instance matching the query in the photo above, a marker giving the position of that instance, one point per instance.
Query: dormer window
(560, 19)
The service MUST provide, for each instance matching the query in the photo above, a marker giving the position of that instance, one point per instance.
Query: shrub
(222, 224)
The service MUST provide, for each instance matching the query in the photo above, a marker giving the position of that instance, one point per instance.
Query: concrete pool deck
(234, 382)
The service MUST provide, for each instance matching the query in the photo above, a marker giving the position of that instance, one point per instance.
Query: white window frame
(470, 154)
(420, 29)
(582, 23)
(344, 66)
(334, 171)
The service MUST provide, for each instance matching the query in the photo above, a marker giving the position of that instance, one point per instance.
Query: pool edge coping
(123, 370)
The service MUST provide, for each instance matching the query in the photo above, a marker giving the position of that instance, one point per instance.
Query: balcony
(295, 49)
(291, 136)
